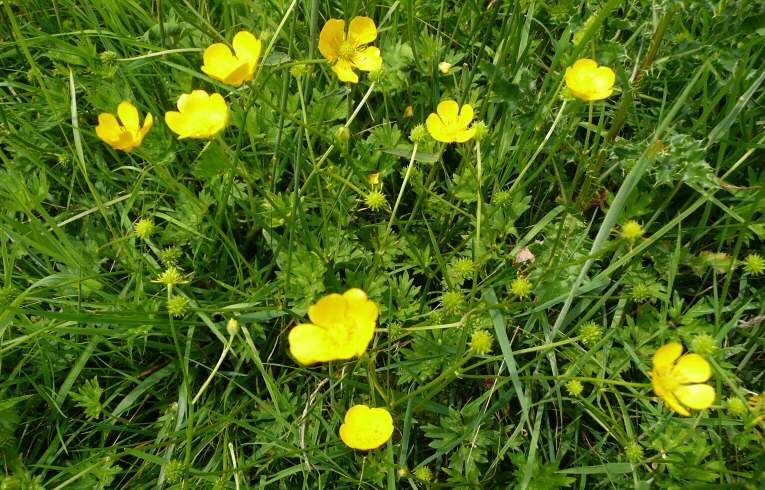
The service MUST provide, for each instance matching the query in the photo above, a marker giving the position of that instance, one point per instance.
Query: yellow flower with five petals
(201, 115)
(128, 135)
(588, 81)
(233, 68)
(342, 325)
(347, 52)
(678, 379)
(366, 428)
(449, 124)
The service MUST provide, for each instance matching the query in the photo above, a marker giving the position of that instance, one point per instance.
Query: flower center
(668, 382)
(346, 50)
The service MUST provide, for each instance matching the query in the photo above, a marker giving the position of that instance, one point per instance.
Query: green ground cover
(161, 308)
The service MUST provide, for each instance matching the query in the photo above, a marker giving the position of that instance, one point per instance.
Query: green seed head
(735, 406)
(521, 287)
(453, 301)
(634, 452)
(481, 130)
(591, 333)
(632, 230)
(704, 344)
(423, 473)
(418, 133)
(177, 306)
(375, 200)
(174, 471)
(754, 264)
(574, 387)
(145, 229)
(481, 342)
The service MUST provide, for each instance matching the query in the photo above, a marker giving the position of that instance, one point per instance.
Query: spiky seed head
(453, 301)
(145, 228)
(521, 287)
(375, 200)
(735, 406)
(591, 333)
(754, 264)
(574, 387)
(481, 130)
(631, 230)
(634, 452)
(423, 473)
(704, 344)
(481, 342)
(418, 133)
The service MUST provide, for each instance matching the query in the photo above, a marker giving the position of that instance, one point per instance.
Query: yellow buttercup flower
(588, 81)
(201, 115)
(449, 124)
(347, 52)
(677, 379)
(366, 428)
(233, 68)
(128, 135)
(342, 325)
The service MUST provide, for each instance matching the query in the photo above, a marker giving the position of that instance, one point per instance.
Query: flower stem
(539, 148)
(401, 192)
(541, 347)
(479, 167)
(215, 369)
(347, 124)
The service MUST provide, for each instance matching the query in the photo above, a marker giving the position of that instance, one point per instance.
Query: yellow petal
(357, 345)
(328, 311)
(219, 61)
(584, 65)
(579, 78)
(362, 30)
(603, 83)
(216, 114)
(197, 100)
(691, 368)
(463, 135)
(466, 116)
(240, 75)
(108, 128)
(436, 128)
(448, 111)
(127, 143)
(247, 48)
(178, 124)
(310, 344)
(586, 81)
(201, 115)
(697, 397)
(186, 102)
(128, 115)
(147, 124)
(368, 60)
(366, 428)
(360, 307)
(672, 402)
(658, 385)
(665, 356)
(344, 71)
(331, 37)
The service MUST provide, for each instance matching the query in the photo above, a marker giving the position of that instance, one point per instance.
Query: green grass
(97, 378)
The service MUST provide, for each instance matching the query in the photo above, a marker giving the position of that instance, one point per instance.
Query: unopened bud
(232, 327)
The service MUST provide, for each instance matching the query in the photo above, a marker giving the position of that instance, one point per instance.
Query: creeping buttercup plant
(389, 245)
